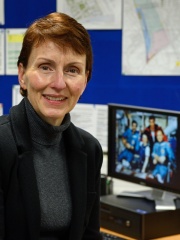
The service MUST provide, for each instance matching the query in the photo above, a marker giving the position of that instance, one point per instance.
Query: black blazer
(19, 199)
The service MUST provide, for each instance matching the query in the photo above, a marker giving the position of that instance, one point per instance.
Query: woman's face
(160, 136)
(144, 139)
(54, 80)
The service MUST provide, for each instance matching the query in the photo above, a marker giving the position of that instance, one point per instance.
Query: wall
(107, 83)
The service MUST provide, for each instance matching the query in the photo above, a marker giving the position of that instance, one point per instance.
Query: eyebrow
(53, 62)
(46, 59)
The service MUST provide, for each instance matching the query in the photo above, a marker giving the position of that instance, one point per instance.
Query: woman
(144, 152)
(163, 158)
(50, 169)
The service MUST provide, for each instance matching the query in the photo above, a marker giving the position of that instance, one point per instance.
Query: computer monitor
(143, 148)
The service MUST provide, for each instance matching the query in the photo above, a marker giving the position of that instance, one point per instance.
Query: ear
(21, 76)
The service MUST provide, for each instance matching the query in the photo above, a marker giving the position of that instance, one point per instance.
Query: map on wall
(151, 37)
(93, 14)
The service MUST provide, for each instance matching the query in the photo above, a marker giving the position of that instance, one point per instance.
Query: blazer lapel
(77, 165)
(26, 171)
(28, 185)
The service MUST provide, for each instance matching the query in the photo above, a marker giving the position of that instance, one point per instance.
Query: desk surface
(174, 237)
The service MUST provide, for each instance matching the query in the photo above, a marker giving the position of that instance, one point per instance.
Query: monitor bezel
(112, 107)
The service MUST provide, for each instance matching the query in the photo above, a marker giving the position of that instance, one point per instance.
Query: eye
(45, 68)
(73, 71)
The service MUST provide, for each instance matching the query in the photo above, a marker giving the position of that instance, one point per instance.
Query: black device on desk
(137, 217)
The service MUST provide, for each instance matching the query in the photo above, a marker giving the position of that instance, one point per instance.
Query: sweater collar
(42, 132)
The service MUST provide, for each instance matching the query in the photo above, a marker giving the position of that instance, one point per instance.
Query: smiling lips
(55, 98)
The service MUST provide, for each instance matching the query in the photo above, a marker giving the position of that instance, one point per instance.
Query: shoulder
(78, 135)
(5, 131)
(4, 125)
(157, 127)
(8, 150)
(85, 134)
(127, 131)
(156, 145)
(79, 138)
(4, 119)
(166, 144)
(87, 137)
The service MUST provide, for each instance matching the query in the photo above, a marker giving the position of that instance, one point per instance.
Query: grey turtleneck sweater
(51, 171)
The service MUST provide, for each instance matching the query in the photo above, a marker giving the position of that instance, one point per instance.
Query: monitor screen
(142, 146)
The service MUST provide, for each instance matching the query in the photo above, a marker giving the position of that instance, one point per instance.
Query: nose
(59, 81)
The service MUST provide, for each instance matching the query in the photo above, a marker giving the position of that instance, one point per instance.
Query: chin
(55, 116)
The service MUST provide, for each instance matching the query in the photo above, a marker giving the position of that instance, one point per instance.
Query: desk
(174, 237)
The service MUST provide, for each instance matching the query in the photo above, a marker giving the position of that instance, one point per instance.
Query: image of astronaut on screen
(146, 145)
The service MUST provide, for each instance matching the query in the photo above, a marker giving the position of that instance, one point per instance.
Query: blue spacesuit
(165, 154)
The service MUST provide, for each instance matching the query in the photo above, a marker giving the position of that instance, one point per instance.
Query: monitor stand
(163, 200)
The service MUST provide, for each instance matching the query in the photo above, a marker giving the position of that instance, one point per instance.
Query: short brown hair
(63, 30)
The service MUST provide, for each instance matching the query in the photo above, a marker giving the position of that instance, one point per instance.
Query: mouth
(58, 99)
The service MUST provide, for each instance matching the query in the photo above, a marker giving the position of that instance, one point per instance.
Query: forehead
(52, 50)
(151, 119)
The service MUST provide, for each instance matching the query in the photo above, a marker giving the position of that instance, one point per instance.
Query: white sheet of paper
(16, 96)
(14, 38)
(93, 119)
(94, 14)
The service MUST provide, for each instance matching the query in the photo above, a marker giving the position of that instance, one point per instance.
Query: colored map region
(154, 35)
(151, 37)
